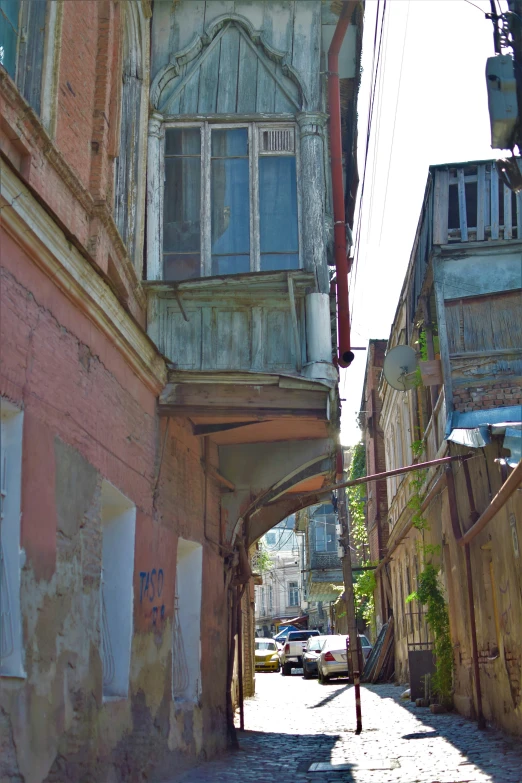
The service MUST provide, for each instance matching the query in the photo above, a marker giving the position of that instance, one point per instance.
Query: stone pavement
(293, 724)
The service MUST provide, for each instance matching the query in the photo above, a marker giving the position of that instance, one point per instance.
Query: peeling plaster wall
(87, 418)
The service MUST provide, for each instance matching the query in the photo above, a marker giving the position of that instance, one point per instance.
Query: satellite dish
(399, 367)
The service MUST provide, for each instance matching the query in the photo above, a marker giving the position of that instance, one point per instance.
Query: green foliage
(429, 593)
(363, 590)
(263, 561)
(422, 342)
(356, 501)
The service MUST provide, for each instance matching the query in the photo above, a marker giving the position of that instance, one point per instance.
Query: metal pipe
(397, 472)
(346, 355)
(500, 499)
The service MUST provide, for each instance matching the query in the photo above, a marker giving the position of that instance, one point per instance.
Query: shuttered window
(127, 167)
(22, 40)
(230, 202)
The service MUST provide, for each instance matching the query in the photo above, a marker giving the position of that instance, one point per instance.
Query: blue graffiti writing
(151, 584)
(151, 588)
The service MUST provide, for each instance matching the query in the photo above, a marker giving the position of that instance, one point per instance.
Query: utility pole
(352, 645)
(515, 30)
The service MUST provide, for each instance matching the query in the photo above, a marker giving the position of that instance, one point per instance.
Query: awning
(474, 429)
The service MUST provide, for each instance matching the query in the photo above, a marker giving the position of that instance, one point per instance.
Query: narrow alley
(301, 732)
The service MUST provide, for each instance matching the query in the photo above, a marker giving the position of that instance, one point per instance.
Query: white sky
(441, 110)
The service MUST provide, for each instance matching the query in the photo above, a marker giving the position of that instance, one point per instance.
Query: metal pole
(396, 472)
(352, 642)
(240, 658)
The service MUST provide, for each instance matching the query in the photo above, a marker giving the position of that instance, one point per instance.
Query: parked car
(332, 661)
(292, 653)
(311, 654)
(366, 646)
(266, 656)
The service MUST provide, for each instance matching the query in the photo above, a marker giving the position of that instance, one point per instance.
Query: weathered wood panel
(289, 27)
(231, 339)
(485, 324)
(306, 52)
(206, 337)
(228, 72)
(279, 339)
(180, 340)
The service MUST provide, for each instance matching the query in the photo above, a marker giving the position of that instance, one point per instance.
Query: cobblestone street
(293, 724)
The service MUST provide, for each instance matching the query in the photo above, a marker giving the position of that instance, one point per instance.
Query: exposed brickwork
(488, 395)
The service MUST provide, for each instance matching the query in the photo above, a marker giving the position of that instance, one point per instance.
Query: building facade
(460, 307)
(280, 597)
(377, 497)
(167, 373)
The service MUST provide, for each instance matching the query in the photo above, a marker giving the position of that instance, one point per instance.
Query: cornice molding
(33, 229)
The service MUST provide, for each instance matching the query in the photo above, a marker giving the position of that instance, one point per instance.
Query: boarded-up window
(484, 323)
(126, 171)
(22, 39)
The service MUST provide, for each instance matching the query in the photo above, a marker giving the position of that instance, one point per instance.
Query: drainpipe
(346, 355)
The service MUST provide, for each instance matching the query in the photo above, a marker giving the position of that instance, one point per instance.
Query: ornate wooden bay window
(229, 201)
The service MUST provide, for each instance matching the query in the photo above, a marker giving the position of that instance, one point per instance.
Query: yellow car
(267, 656)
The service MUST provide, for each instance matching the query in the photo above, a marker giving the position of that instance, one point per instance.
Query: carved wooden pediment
(230, 69)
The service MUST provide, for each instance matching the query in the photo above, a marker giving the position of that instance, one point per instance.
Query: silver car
(311, 654)
(332, 660)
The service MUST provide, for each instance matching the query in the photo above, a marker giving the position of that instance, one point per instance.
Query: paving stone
(294, 723)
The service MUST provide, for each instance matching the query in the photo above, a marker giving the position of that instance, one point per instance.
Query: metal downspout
(346, 355)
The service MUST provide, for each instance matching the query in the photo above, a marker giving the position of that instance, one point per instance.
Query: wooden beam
(201, 430)
(229, 397)
(261, 414)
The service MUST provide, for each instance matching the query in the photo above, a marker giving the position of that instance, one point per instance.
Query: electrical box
(340, 550)
(502, 100)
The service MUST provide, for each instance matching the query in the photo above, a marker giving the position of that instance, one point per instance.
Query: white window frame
(11, 556)
(254, 130)
(293, 589)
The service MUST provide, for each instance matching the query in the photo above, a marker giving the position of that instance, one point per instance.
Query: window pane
(181, 266)
(181, 205)
(9, 34)
(183, 141)
(278, 212)
(230, 206)
(274, 261)
(230, 143)
(230, 265)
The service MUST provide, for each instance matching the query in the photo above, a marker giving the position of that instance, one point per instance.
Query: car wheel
(278, 667)
(287, 667)
(306, 673)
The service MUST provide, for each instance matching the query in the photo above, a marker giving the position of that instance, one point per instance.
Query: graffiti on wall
(151, 589)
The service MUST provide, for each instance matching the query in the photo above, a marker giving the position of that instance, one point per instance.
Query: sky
(430, 107)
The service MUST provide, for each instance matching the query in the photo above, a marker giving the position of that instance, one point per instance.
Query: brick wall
(88, 418)
(487, 395)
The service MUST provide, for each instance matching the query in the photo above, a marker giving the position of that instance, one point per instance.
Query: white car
(332, 660)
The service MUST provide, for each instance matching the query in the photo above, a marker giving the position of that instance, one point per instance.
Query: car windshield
(266, 646)
(301, 636)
